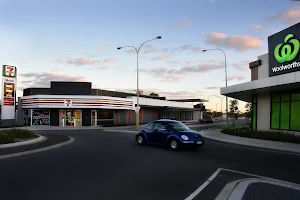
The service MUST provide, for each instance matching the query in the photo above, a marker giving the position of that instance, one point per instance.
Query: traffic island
(49, 141)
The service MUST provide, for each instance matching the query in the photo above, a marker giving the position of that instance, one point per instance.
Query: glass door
(94, 118)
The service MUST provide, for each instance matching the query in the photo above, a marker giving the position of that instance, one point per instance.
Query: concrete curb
(262, 146)
(123, 131)
(15, 144)
(236, 189)
(71, 140)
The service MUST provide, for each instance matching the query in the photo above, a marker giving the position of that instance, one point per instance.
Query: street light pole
(221, 105)
(137, 50)
(225, 80)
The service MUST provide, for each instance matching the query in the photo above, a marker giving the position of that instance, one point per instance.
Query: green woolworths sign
(284, 47)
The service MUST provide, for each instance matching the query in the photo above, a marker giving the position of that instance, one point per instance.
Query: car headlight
(184, 137)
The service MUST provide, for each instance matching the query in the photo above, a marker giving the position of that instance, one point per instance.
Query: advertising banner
(40, 117)
(284, 51)
(8, 97)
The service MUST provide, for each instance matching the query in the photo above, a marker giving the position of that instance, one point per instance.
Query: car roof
(166, 120)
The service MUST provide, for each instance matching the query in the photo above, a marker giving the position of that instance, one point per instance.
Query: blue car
(171, 133)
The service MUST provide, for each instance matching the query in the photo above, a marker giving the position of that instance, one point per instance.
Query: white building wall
(263, 69)
(197, 115)
(263, 111)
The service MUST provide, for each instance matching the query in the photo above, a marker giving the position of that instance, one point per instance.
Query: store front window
(285, 111)
(69, 117)
(254, 112)
(27, 117)
(40, 117)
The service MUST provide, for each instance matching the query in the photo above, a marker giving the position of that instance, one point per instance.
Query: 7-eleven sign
(9, 71)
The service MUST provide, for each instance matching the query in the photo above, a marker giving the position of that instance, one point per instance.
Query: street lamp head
(158, 37)
(119, 48)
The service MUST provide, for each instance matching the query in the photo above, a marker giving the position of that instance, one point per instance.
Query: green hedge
(264, 135)
(14, 135)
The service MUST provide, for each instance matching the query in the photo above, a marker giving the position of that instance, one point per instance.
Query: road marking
(215, 174)
(240, 189)
(203, 186)
(273, 179)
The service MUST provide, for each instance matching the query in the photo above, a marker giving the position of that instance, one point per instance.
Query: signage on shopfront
(68, 103)
(284, 51)
(8, 97)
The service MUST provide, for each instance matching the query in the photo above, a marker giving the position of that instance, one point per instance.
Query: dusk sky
(77, 40)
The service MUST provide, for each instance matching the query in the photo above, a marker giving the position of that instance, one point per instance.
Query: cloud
(256, 26)
(181, 24)
(185, 22)
(212, 88)
(244, 64)
(147, 48)
(102, 47)
(77, 61)
(231, 78)
(189, 48)
(110, 60)
(160, 58)
(237, 42)
(175, 75)
(290, 16)
(43, 79)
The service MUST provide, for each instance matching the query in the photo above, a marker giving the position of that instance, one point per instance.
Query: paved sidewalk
(215, 134)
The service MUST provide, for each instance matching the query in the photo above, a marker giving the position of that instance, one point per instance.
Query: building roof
(188, 100)
(244, 91)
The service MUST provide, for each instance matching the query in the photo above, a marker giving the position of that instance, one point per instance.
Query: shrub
(11, 135)
(264, 135)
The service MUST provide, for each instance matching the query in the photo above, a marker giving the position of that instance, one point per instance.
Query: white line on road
(264, 177)
(199, 189)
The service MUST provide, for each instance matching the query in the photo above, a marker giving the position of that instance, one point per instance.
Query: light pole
(137, 119)
(225, 80)
(221, 105)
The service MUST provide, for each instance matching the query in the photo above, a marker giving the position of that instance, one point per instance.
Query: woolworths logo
(287, 52)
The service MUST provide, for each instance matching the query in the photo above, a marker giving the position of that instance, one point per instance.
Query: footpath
(215, 134)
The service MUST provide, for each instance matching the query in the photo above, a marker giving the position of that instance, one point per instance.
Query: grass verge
(264, 135)
(15, 135)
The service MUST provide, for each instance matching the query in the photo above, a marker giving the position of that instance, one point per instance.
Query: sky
(76, 40)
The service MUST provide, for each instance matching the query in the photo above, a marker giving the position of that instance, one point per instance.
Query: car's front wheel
(140, 139)
(174, 144)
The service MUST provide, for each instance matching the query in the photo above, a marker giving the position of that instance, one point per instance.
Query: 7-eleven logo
(68, 102)
(10, 71)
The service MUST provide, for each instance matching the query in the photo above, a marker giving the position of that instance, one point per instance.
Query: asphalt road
(108, 166)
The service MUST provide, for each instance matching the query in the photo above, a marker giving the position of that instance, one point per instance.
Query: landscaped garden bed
(15, 135)
(263, 135)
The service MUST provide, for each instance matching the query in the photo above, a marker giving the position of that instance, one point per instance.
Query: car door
(149, 131)
(160, 132)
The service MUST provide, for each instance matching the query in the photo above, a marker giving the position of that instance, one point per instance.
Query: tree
(234, 109)
(154, 94)
(248, 112)
(140, 92)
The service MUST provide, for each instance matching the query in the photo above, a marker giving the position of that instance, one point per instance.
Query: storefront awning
(245, 91)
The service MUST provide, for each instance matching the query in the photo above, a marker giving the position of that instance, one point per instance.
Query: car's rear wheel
(174, 144)
(140, 139)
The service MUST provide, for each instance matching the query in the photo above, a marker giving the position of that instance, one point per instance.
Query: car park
(170, 133)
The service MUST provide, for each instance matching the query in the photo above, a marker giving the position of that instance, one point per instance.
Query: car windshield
(177, 126)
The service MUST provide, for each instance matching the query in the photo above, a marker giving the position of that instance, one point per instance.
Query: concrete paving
(266, 144)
